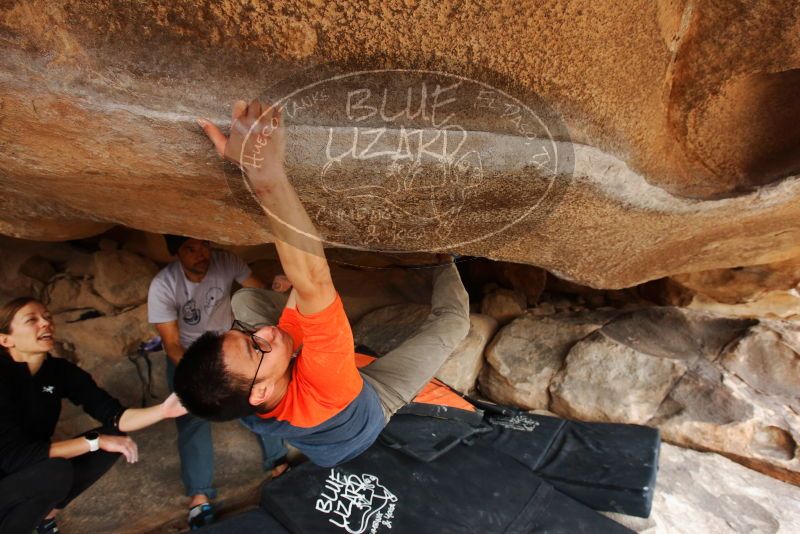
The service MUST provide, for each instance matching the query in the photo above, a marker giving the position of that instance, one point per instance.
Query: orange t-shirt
(325, 379)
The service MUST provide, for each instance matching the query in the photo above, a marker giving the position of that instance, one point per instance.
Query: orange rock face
(681, 119)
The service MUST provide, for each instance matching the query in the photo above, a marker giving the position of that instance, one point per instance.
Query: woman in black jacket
(39, 477)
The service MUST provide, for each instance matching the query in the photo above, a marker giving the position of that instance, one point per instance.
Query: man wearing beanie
(190, 296)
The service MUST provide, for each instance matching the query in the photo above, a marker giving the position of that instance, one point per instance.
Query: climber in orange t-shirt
(298, 379)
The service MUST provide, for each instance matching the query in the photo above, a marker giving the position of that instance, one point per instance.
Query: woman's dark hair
(7, 313)
(206, 386)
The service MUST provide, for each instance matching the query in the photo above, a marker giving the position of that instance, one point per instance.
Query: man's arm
(301, 253)
(171, 339)
(257, 144)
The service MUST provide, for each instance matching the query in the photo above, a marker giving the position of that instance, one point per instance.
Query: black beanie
(174, 242)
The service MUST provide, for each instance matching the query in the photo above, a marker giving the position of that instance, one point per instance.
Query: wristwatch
(94, 440)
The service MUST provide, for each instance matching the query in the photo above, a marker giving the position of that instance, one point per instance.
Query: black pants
(28, 495)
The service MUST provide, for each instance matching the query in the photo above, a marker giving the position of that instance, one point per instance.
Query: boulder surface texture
(677, 123)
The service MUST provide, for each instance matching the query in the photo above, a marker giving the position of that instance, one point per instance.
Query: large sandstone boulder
(107, 337)
(80, 265)
(65, 293)
(16, 283)
(605, 381)
(122, 278)
(503, 305)
(768, 359)
(26, 267)
(666, 162)
(525, 355)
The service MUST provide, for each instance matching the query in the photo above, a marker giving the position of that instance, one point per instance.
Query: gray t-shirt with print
(198, 307)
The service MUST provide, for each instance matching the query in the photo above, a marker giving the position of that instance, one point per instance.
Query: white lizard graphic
(359, 504)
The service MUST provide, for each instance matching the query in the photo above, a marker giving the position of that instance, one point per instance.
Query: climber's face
(195, 256)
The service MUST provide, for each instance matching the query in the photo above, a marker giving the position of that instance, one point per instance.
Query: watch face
(91, 436)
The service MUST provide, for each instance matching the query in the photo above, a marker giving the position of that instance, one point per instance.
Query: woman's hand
(172, 407)
(257, 142)
(121, 444)
(281, 283)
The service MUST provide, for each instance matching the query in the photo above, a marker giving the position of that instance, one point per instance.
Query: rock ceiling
(677, 124)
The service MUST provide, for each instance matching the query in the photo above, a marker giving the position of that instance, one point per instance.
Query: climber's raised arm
(258, 145)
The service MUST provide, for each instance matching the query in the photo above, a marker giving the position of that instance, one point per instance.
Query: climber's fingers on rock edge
(214, 133)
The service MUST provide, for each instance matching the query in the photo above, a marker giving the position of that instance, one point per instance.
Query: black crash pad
(471, 489)
(606, 466)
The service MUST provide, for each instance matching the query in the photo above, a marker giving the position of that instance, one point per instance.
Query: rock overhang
(100, 131)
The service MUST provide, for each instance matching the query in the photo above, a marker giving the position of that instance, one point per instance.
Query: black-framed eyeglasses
(260, 345)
